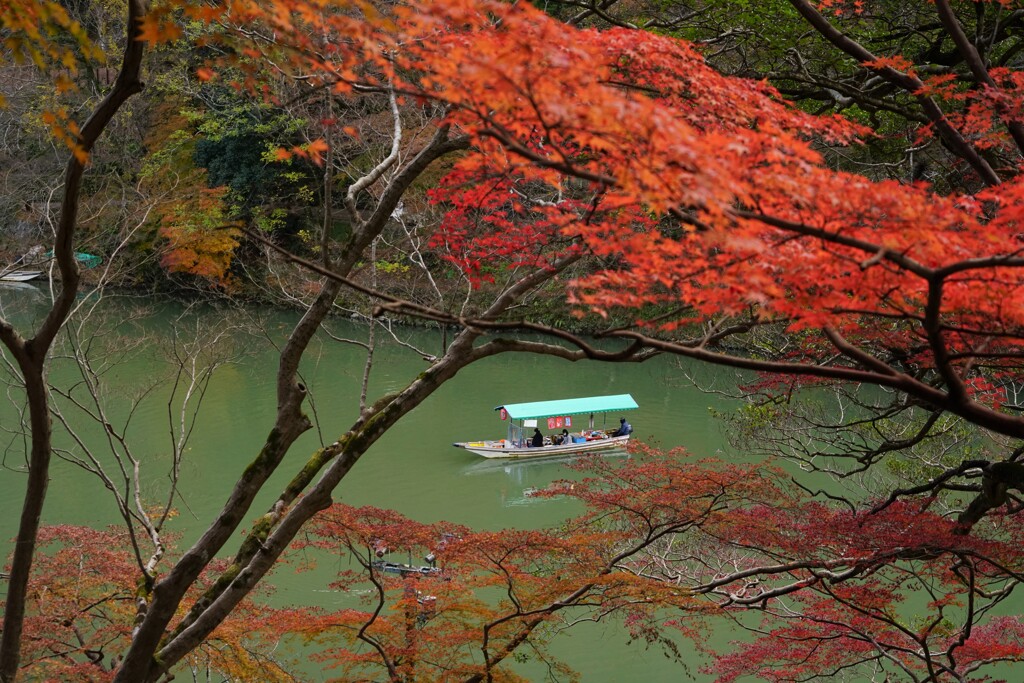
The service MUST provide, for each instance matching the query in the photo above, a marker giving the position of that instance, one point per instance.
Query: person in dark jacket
(624, 428)
(538, 438)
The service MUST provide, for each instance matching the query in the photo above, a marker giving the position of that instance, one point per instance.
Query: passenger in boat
(624, 428)
(538, 438)
(559, 439)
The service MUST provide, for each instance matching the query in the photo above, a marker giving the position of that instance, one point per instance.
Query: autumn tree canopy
(706, 209)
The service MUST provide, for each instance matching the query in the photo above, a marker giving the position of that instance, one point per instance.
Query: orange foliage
(83, 607)
(44, 34)
(37, 31)
(666, 541)
(200, 240)
(746, 214)
(492, 589)
(704, 189)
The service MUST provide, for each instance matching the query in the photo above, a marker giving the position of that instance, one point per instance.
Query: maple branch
(848, 436)
(514, 145)
(965, 632)
(957, 403)
(932, 324)
(600, 9)
(633, 350)
(858, 355)
(885, 649)
(890, 446)
(853, 565)
(830, 496)
(875, 251)
(999, 478)
(289, 393)
(533, 618)
(94, 466)
(439, 145)
(932, 485)
(908, 82)
(848, 94)
(365, 626)
(128, 83)
(976, 63)
(1011, 260)
(986, 355)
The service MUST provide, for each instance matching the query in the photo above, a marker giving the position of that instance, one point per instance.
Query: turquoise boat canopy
(570, 406)
(85, 260)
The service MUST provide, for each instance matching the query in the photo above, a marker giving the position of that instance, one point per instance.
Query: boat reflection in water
(526, 477)
(517, 468)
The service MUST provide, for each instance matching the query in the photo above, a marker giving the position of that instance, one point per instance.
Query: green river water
(413, 469)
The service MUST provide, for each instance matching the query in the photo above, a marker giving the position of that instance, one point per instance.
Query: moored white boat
(19, 275)
(560, 416)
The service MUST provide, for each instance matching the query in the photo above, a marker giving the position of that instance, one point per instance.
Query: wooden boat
(559, 415)
(19, 275)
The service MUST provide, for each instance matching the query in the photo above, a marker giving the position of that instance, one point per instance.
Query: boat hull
(497, 449)
(20, 275)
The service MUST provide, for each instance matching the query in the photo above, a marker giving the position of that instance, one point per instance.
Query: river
(413, 469)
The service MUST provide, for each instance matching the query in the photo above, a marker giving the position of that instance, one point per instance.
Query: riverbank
(282, 285)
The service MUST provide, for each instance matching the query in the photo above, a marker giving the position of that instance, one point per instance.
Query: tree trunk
(33, 353)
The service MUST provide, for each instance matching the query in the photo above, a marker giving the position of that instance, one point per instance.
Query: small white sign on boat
(567, 437)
